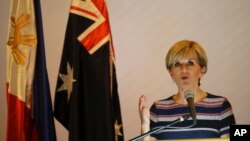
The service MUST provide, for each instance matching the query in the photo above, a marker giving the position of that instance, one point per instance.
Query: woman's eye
(177, 64)
(190, 63)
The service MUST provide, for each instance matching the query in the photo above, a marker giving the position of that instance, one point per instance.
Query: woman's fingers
(143, 110)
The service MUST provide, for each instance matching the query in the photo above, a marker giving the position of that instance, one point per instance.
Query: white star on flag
(68, 80)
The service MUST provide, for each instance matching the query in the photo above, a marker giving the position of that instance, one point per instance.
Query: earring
(199, 82)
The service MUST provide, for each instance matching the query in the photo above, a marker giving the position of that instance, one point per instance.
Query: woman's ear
(170, 73)
(203, 71)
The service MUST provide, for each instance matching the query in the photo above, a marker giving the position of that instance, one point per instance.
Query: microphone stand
(180, 119)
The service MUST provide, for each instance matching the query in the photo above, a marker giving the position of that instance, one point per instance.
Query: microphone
(189, 96)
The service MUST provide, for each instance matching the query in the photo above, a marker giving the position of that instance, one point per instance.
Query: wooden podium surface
(202, 139)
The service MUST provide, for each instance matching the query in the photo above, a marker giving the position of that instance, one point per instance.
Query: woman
(186, 63)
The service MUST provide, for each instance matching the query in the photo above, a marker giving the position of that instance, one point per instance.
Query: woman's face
(186, 72)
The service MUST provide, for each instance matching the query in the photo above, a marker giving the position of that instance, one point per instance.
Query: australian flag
(86, 99)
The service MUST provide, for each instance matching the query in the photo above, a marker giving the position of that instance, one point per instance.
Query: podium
(201, 139)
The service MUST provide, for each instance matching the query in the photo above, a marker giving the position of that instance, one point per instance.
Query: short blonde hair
(182, 48)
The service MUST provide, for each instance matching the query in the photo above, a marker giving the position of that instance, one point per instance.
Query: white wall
(143, 31)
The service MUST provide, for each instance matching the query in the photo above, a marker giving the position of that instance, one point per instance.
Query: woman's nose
(184, 68)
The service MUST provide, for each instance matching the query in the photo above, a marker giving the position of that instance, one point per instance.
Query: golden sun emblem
(18, 38)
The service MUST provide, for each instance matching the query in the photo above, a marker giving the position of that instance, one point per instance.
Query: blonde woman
(186, 62)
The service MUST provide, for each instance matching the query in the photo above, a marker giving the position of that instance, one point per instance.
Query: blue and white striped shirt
(214, 116)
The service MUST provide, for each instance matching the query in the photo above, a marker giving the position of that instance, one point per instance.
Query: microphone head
(188, 94)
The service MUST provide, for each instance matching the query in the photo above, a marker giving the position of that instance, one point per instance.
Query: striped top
(214, 117)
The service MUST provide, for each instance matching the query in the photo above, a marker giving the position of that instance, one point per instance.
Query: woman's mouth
(184, 78)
